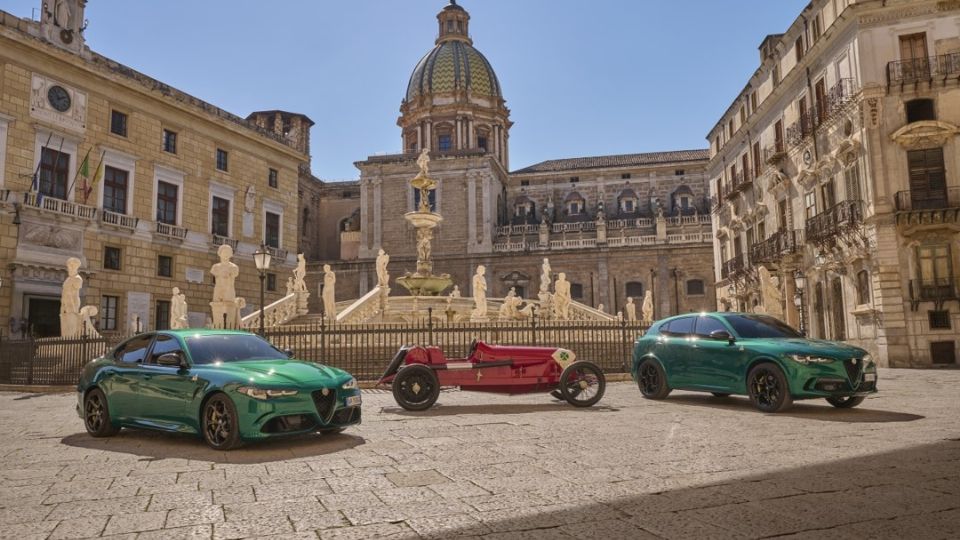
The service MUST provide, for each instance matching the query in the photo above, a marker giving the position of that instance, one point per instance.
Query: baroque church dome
(453, 65)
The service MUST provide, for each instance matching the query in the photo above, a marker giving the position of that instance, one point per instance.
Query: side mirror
(288, 352)
(721, 335)
(172, 359)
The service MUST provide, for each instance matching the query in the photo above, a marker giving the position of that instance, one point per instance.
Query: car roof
(186, 332)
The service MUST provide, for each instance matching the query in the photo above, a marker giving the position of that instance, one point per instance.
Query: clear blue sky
(580, 77)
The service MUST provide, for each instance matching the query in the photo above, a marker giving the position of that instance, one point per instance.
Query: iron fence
(362, 349)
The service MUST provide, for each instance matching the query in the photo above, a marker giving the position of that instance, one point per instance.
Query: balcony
(277, 254)
(218, 241)
(738, 183)
(774, 154)
(833, 222)
(798, 131)
(171, 231)
(838, 97)
(938, 291)
(53, 205)
(943, 68)
(733, 267)
(118, 220)
(928, 207)
(778, 246)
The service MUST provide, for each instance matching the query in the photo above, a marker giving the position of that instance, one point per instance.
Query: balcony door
(936, 274)
(821, 92)
(839, 317)
(914, 57)
(928, 181)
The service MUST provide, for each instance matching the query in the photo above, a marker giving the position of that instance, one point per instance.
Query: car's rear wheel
(652, 380)
(720, 394)
(848, 402)
(96, 415)
(220, 423)
(582, 384)
(768, 388)
(416, 387)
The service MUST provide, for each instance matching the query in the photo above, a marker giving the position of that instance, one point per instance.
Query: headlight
(265, 393)
(867, 360)
(807, 359)
(350, 385)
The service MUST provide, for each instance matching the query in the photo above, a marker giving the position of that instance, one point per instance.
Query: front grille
(853, 370)
(325, 403)
(287, 424)
(350, 415)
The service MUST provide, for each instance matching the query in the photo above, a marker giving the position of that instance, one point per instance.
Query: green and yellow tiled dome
(453, 65)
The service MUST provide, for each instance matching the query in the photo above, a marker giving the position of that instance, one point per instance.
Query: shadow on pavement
(502, 408)
(907, 493)
(808, 410)
(157, 445)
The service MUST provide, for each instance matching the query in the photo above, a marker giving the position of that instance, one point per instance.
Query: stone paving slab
(498, 468)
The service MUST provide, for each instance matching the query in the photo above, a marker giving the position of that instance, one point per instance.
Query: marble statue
(291, 287)
(423, 245)
(300, 274)
(630, 309)
(770, 293)
(226, 273)
(454, 294)
(225, 305)
(545, 275)
(479, 294)
(561, 297)
(383, 277)
(423, 161)
(87, 313)
(62, 14)
(647, 309)
(329, 293)
(508, 310)
(70, 319)
(601, 309)
(178, 310)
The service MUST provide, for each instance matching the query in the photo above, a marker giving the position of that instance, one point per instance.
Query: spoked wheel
(848, 402)
(652, 380)
(416, 387)
(96, 415)
(220, 429)
(768, 388)
(582, 384)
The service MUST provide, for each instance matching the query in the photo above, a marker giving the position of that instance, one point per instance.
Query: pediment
(925, 134)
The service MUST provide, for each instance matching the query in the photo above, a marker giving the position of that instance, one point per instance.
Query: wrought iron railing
(733, 267)
(914, 200)
(774, 153)
(773, 249)
(944, 66)
(834, 221)
(839, 95)
(936, 290)
(801, 129)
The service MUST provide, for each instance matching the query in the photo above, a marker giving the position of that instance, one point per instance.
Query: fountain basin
(425, 285)
(423, 220)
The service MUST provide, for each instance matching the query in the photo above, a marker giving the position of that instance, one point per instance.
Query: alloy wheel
(649, 378)
(766, 388)
(93, 412)
(218, 423)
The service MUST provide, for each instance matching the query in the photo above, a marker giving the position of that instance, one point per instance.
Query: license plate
(870, 377)
(353, 401)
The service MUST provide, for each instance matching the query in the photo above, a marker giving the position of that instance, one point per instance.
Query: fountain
(424, 282)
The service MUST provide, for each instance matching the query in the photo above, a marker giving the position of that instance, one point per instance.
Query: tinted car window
(163, 345)
(231, 348)
(761, 326)
(681, 326)
(134, 350)
(707, 324)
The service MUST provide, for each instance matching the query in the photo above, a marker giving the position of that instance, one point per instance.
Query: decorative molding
(51, 236)
(925, 134)
(74, 118)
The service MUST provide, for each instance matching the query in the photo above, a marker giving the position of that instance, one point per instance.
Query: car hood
(280, 372)
(819, 346)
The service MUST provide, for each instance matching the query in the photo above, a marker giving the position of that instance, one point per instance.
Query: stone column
(419, 137)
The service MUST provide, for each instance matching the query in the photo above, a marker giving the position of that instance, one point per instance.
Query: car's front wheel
(96, 415)
(848, 402)
(416, 387)
(652, 380)
(768, 388)
(220, 425)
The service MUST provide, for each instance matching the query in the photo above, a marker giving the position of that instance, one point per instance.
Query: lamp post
(800, 281)
(262, 259)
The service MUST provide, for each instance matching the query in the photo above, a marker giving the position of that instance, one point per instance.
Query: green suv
(749, 354)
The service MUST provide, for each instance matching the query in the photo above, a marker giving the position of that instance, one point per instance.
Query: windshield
(231, 348)
(761, 326)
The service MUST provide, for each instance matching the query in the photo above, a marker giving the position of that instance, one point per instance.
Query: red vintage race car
(416, 374)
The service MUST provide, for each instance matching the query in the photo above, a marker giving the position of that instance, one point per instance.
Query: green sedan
(226, 386)
(754, 355)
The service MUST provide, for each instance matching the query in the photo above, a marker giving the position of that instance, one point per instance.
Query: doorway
(43, 316)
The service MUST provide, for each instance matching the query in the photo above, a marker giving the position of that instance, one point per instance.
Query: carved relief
(75, 114)
(871, 112)
(52, 236)
(925, 134)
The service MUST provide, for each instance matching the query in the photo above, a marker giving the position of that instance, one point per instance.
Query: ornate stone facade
(840, 164)
(141, 219)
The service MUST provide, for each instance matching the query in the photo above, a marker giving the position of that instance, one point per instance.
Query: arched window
(695, 287)
(682, 200)
(863, 287)
(575, 204)
(635, 289)
(627, 201)
(524, 209)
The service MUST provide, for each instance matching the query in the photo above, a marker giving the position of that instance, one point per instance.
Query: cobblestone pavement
(693, 466)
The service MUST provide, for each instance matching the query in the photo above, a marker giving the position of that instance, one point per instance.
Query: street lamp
(800, 280)
(262, 259)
